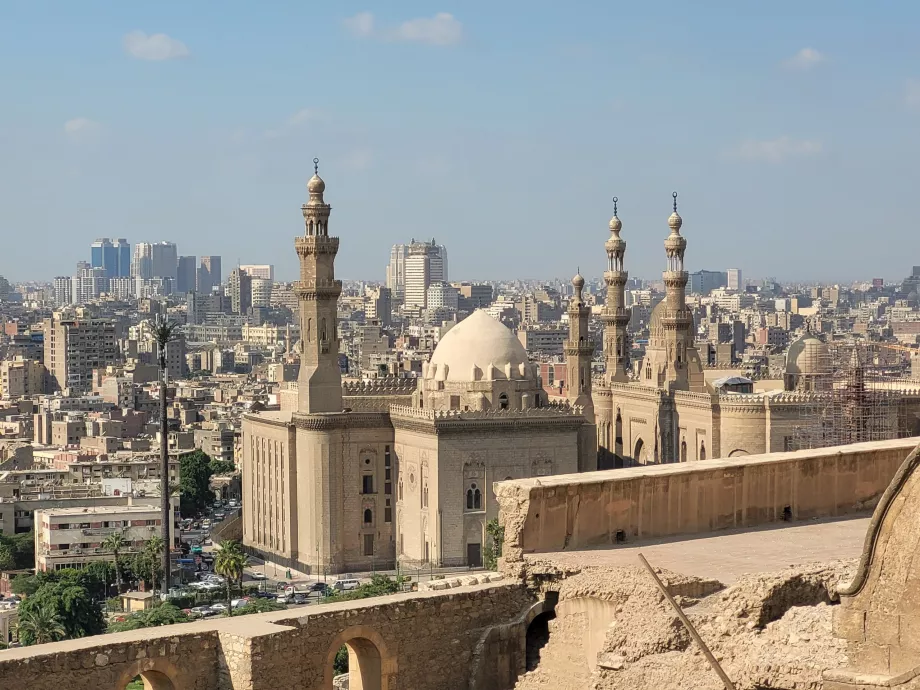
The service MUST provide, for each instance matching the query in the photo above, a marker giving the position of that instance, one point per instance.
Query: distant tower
(615, 315)
(579, 350)
(671, 360)
(320, 387)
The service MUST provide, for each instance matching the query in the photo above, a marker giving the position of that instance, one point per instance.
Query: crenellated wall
(584, 510)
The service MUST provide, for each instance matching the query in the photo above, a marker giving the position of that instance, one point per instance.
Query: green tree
(493, 549)
(147, 564)
(340, 663)
(22, 548)
(161, 614)
(115, 543)
(39, 625)
(259, 606)
(71, 602)
(7, 558)
(219, 466)
(97, 577)
(229, 561)
(195, 482)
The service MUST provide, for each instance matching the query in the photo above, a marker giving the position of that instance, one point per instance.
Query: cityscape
(215, 477)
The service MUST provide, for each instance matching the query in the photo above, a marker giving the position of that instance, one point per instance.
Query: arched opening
(150, 680)
(618, 441)
(360, 653)
(503, 401)
(737, 453)
(702, 450)
(683, 451)
(537, 637)
(637, 454)
(368, 516)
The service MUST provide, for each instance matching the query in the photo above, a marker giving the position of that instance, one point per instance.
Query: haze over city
(501, 130)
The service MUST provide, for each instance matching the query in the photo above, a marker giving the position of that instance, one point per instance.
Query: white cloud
(139, 45)
(79, 127)
(912, 94)
(361, 25)
(778, 150)
(301, 117)
(805, 59)
(443, 29)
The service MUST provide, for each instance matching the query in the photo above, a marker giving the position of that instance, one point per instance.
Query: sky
(502, 129)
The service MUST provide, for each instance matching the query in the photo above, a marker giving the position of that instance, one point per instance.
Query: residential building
(442, 295)
(704, 282)
(263, 271)
(239, 287)
(378, 305)
(74, 347)
(20, 377)
(734, 280)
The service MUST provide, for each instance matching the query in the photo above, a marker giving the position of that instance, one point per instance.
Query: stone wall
(583, 510)
(418, 641)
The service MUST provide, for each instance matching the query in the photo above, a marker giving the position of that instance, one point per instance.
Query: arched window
(309, 329)
(425, 496)
(683, 451)
(477, 499)
(469, 499)
(368, 516)
(702, 450)
(503, 401)
(322, 335)
(637, 454)
(648, 370)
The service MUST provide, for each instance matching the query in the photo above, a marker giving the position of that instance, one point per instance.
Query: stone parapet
(563, 512)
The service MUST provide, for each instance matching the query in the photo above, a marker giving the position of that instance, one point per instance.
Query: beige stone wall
(566, 512)
(422, 641)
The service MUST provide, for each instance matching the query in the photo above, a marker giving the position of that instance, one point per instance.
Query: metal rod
(686, 621)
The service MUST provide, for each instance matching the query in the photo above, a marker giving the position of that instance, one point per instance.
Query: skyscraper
(165, 258)
(734, 279)
(123, 255)
(209, 275)
(396, 270)
(142, 261)
(114, 256)
(186, 278)
(418, 274)
(264, 271)
(239, 285)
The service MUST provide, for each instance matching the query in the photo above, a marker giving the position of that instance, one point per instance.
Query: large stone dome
(808, 355)
(476, 343)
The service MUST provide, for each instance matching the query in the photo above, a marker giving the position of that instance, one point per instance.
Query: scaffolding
(852, 392)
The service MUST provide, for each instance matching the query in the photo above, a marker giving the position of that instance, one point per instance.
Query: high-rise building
(112, 255)
(63, 290)
(186, 278)
(88, 283)
(239, 287)
(474, 296)
(142, 261)
(123, 253)
(378, 305)
(438, 263)
(396, 270)
(209, 275)
(264, 271)
(442, 295)
(165, 258)
(261, 292)
(734, 280)
(704, 282)
(74, 347)
(419, 272)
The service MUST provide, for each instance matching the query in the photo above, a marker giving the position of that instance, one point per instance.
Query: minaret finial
(316, 167)
(674, 194)
(615, 205)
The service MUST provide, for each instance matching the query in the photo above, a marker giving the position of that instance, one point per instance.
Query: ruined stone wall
(565, 512)
(420, 641)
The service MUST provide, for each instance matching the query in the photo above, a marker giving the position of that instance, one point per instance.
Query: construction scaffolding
(853, 391)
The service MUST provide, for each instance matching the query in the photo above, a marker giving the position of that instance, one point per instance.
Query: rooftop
(100, 510)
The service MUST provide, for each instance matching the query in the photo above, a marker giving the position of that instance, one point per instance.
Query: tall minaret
(683, 368)
(320, 381)
(615, 315)
(579, 350)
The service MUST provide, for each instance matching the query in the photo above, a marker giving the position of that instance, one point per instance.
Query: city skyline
(501, 147)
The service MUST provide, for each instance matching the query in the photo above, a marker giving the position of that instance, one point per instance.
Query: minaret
(683, 368)
(579, 350)
(615, 315)
(320, 381)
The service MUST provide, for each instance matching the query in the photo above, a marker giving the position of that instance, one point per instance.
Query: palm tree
(115, 542)
(229, 561)
(148, 560)
(41, 625)
(163, 333)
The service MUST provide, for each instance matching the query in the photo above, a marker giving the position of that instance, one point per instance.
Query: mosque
(356, 477)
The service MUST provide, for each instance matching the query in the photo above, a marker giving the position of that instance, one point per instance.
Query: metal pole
(164, 473)
(686, 621)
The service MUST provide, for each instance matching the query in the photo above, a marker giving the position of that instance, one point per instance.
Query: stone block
(850, 624)
(869, 658)
(882, 628)
(910, 632)
(902, 660)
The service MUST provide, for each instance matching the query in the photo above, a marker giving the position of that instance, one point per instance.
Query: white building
(263, 271)
(734, 279)
(261, 292)
(63, 291)
(73, 537)
(442, 295)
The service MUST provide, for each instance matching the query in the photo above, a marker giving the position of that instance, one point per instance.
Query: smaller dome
(615, 224)
(316, 185)
(578, 281)
(808, 356)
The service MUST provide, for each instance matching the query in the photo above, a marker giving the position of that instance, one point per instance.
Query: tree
(39, 625)
(115, 542)
(21, 547)
(147, 563)
(493, 550)
(259, 606)
(164, 332)
(161, 614)
(71, 602)
(195, 482)
(7, 558)
(229, 561)
(219, 466)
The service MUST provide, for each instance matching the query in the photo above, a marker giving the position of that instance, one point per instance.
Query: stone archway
(738, 452)
(371, 662)
(157, 674)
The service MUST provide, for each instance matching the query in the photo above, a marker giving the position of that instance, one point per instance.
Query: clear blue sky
(502, 129)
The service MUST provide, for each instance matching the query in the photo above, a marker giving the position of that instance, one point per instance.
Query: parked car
(202, 611)
(258, 576)
(346, 585)
(208, 542)
(220, 608)
(210, 586)
(285, 599)
(320, 587)
(197, 550)
(264, 595)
